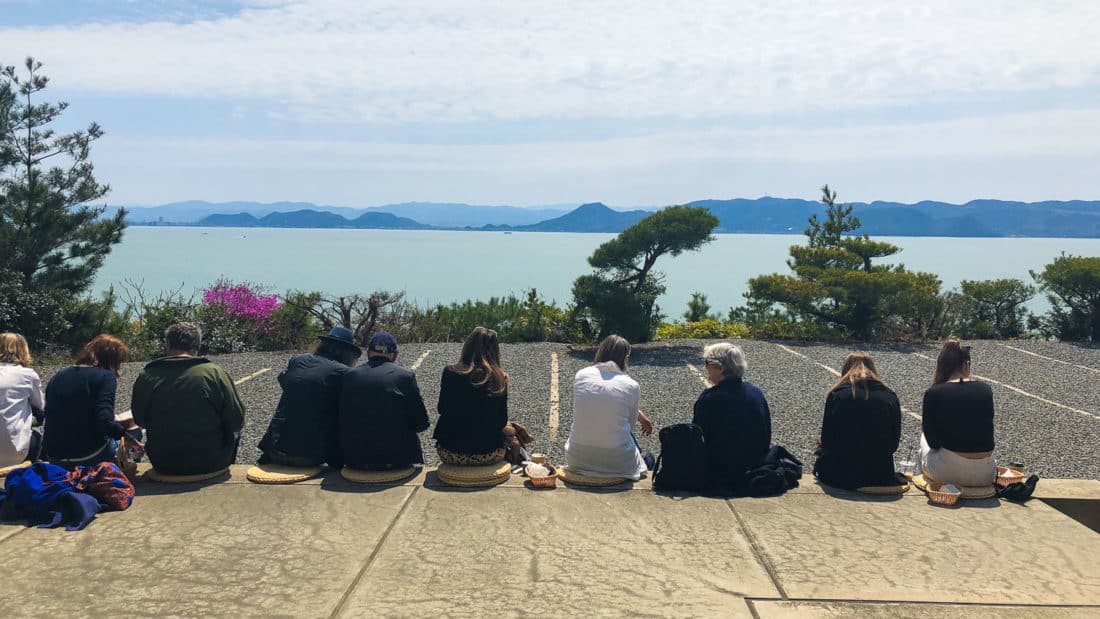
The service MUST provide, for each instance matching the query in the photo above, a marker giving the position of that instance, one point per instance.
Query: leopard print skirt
(450, 457)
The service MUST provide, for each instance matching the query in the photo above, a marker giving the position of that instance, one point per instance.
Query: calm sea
(443, 266)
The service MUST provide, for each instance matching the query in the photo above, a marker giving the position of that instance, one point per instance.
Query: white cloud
(1056, 133)
(420, 60)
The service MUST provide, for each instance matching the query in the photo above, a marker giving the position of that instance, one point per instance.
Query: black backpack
(682, 463)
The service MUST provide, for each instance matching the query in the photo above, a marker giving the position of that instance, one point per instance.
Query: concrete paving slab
(560, 553)
(777, 609)
(909, 550)
(224, 550)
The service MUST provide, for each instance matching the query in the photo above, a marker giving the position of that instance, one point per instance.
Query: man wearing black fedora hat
(381, 411)
(303, 431)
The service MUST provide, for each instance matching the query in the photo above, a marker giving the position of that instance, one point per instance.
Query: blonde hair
(858, 369)
(481, 361)
(14, 349)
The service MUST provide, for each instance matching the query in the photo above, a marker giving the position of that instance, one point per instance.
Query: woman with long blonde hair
(957, 422)
(860, 430)
(473, 426)
(21, 401)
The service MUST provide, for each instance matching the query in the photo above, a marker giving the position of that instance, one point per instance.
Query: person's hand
(129, 424)
(525, 437)
(645, 423)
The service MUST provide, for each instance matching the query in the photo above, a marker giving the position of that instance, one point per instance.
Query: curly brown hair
(104, 351)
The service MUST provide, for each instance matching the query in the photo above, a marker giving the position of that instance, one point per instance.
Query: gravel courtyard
(1047, 394)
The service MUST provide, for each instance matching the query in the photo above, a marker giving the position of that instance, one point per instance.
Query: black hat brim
(358, 350)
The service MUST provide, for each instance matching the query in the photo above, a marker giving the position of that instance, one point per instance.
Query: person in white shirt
(20, 400)
(605, 409)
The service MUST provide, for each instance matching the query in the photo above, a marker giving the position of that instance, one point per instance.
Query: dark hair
(614, 348)
(858, 369)
(104, 351)
(953, 357)
(481, 361)
(340, 353)
(183, 336)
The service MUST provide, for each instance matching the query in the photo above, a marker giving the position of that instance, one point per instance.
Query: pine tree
(51, 239)
(836, 284)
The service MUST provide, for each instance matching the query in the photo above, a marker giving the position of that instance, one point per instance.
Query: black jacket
(304, 424)
(737, 430)
(381, 413)
(859, 437)
(80, 412)
(471, 420)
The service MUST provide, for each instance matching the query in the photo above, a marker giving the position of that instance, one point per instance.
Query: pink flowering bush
(237, 317)
(242, 301)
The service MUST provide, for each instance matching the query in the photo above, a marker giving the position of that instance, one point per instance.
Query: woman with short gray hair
(735, 419)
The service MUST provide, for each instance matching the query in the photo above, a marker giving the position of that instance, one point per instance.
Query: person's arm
(415, 412)
(232, 411)
(929, 421)
(895, 420)
(699, 411)
(830, 425)
(104, 394)
(140, 399)
(37, 400)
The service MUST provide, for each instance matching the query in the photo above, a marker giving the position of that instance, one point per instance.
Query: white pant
(948, 467)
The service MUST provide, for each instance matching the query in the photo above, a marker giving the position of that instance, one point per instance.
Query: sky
(365, 102)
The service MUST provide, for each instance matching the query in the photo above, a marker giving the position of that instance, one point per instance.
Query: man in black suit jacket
(381, 411)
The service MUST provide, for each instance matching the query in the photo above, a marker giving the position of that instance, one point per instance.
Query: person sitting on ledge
(21, 401)
(473, 427)
(81, 429)
(860, 430)
(381, 411)
(735, 419)
(605, 409)
(189, 408)
(303, 431)
(956, 445)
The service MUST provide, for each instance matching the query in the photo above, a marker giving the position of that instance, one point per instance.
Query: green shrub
(706, 329)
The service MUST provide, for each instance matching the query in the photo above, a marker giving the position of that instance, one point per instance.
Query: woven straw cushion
(156, 475)
(474, 476)
(968, 492)
(899, 489)
(572, 477)
(7, 469)
(360, 476)
(281, 474)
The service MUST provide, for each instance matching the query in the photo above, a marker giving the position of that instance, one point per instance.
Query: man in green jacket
(188, 407)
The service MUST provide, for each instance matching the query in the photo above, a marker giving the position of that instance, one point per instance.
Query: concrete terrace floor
(328, 548)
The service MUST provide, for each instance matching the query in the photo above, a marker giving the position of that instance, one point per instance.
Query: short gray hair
(729, 357)
(183, 336)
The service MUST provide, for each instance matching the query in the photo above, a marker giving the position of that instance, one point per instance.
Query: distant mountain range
(985, 218)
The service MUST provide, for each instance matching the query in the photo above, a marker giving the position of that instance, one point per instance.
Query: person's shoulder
(751, 388)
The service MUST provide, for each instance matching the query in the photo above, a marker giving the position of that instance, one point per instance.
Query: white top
(20, 388)
(605, 409)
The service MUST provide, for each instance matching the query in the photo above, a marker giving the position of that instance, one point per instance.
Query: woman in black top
(81, 429)
(473, 423)
(860, 430)
(957, 426)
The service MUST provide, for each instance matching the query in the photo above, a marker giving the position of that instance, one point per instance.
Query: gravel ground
(1050, 440)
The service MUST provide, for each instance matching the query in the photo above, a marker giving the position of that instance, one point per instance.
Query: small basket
(1007, 476)
(547, 481)
(939, 496)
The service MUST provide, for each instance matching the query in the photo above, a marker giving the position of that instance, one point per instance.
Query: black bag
(682, 463)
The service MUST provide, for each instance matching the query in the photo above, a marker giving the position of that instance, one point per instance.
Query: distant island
(978, 218)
